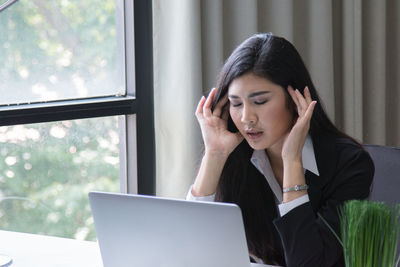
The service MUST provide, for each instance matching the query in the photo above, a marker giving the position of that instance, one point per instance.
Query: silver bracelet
(295, 188)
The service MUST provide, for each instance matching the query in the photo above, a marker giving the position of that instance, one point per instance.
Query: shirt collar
(260, 160)
(308, 157)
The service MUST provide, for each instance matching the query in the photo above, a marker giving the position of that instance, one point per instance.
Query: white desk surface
(29, 250)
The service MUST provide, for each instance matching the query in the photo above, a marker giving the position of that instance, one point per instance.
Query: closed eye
(235, 104)
(261, 102)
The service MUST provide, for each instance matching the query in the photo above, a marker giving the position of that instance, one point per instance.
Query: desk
(29, 250)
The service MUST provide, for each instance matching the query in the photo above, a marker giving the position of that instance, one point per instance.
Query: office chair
(386, 183)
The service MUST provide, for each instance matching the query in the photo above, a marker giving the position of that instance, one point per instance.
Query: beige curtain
(351, 48)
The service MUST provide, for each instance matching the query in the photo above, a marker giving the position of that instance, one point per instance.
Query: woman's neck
(276, 162)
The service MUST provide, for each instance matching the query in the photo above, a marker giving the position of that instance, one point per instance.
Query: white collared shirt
(260, 160)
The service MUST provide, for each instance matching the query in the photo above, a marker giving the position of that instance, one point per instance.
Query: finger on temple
(293, 95)
(300, 98)
(207, 104)
(310, 109)
(220, 105)
(225, 113)
(307, 94)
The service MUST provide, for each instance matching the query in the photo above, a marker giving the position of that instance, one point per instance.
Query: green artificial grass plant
(369, 233)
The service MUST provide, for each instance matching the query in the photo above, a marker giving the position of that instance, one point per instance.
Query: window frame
(137, 137)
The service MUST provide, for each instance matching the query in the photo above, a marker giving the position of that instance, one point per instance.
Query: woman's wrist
(210, 171)
(293, 174)
(216, 154)
(292, 161)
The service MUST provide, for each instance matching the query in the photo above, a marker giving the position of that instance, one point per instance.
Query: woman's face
(259, 110)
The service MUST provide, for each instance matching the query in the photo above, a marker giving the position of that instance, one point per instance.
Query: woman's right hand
(218, 140)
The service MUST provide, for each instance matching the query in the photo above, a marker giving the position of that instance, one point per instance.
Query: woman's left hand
(293, 145)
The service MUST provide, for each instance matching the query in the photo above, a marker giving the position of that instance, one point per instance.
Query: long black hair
(277, 60)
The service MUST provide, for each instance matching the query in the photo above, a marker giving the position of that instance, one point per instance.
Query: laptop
(141, 231)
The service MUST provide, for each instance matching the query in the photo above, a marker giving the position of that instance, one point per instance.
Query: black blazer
(346, 172)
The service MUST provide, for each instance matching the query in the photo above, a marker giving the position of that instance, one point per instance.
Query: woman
(271, 149)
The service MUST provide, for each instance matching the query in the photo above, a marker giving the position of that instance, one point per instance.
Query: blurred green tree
(58, 49)
(47, 169)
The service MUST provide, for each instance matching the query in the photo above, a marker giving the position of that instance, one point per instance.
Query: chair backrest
(386, 183)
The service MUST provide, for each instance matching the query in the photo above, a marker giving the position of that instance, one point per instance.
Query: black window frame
(137, 102)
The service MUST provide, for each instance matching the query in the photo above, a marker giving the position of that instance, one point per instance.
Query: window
(48, 169)
(74, 110)
(57, 50)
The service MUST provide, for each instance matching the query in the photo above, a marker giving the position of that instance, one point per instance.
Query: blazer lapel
(324, 149)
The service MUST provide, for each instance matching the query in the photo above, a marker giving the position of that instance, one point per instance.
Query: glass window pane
(47, 170)
(61, 49)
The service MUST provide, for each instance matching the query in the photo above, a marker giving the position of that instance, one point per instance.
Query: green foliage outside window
(54, 50)
(47, 170)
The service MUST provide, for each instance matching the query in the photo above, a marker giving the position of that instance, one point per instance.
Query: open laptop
(146, 231)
